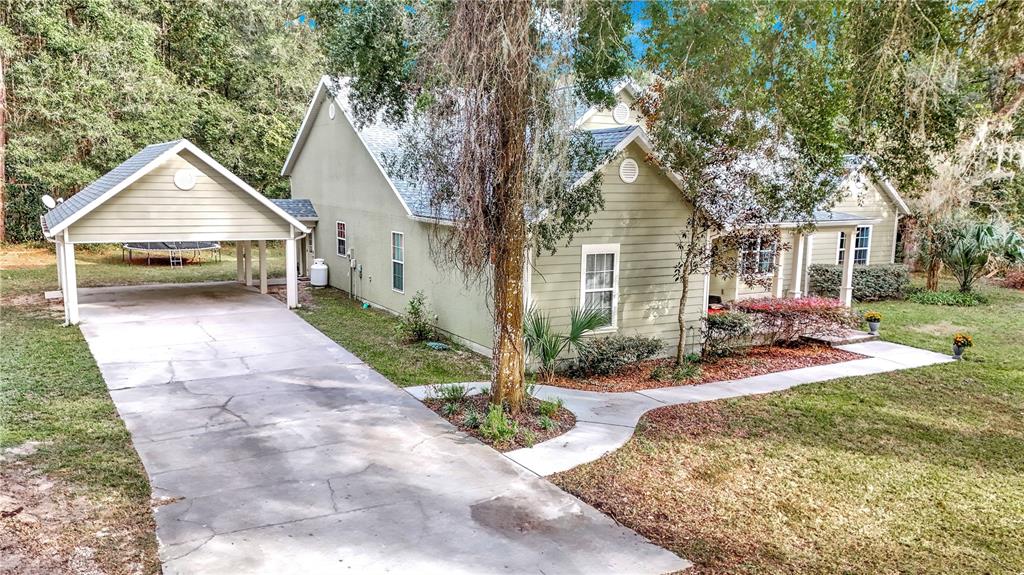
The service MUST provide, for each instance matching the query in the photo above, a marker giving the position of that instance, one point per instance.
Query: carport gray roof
(105, 183)
(301, 209)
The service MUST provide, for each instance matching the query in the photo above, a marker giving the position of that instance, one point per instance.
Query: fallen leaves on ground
(759, 361)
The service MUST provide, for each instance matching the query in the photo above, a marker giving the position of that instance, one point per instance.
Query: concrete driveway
(283, 453)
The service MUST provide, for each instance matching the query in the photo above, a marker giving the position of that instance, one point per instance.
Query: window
(342, 240)
(757, 256)
(861, 246)
(599, 284)
(398, 262)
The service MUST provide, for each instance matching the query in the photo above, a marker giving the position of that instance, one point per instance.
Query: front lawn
(75, 497)
(918, 471)
(371, 335)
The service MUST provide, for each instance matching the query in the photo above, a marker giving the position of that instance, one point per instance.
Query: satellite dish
(48, 201)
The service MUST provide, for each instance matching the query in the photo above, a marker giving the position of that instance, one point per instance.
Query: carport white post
(248, 262)
(846, 289)
(239, 261)
(70, 287)
(291, 271)
(263, 266)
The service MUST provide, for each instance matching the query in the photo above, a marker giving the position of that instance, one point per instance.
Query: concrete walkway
(605, 421)
(279, 452)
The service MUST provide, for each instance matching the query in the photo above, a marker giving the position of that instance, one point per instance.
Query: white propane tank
(318, 273)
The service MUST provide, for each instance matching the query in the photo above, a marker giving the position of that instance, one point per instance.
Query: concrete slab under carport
(285, 454)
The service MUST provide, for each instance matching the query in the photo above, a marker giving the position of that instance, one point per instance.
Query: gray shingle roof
(824, 216)
(105, 183)
(607, 138)
(300, 209)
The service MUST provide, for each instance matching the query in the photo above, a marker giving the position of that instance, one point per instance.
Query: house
(375, 229)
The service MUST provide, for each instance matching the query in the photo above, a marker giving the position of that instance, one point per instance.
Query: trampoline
(175, 252)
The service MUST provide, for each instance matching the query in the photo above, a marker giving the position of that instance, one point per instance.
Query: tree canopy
(91, 83)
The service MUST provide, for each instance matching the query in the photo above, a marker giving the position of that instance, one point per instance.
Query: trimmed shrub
(417, 324)
(607, 355)
(870, 283)
(950, 297)
(726, 333)
(787, 320)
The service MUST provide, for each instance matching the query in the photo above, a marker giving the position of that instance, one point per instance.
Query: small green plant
(688, 370)
(693, 357)
(471, 419)
(449, 409)
(549, 408)
(546, 346)
(454, 393)
(485, 390)
(546, 423)
(497, 426)
(529, 438)
(659, 373)
(872, 316)
(416, 324)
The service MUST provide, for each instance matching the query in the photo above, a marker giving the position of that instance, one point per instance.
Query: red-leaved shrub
(787, 320)
(1014, 280)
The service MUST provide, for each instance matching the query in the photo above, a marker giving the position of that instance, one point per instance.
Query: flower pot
(958, 351)
(873, 327)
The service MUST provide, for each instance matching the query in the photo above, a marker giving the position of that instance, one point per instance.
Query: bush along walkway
(605, 421)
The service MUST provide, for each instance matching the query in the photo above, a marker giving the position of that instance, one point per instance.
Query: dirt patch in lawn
(26, 258)
(531, 427)
(657, 373)
(46, 526)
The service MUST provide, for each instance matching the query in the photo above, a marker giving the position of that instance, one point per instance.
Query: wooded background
(91, 82)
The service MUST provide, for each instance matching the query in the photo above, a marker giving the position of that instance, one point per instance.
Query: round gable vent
(620, 113)
(629, 170)
(185, 179)
(331, 111)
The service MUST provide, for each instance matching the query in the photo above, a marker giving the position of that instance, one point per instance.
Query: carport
(173, 192)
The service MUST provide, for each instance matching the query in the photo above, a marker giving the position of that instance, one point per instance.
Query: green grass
(917, 471)
(371, 335)
(101, 265)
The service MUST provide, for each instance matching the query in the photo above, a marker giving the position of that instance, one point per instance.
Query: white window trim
(867, 258)
(336, 238)
(589, 249)
(839, 246)
(757, 262)
(391, 248)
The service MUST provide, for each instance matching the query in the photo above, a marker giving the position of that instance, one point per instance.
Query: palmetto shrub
(545, 345)
(785, 321)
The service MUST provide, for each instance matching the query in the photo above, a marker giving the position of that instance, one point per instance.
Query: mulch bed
(759, 361)
(529, 432)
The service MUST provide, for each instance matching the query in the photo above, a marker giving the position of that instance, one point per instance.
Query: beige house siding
(602, 118)
(154, 209)
(644, 218)
(339, 175)
(872, 203)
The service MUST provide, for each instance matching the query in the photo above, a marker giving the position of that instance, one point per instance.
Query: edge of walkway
(606, 420)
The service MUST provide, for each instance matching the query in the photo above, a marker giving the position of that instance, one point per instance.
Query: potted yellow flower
(873, 318)
(961, 341)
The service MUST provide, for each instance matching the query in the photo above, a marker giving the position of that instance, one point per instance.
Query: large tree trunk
(932, 273)
(511, 97)
(3, 153)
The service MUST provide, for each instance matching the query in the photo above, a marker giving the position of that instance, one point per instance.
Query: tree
(744, 114)
(487, 89)
(972, 245)
(937, 101)
(90, 84)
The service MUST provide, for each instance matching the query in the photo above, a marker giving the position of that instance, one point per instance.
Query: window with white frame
(398, 261)
(599, 284)
(342, 239)
(757, 256)
(862, 245)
